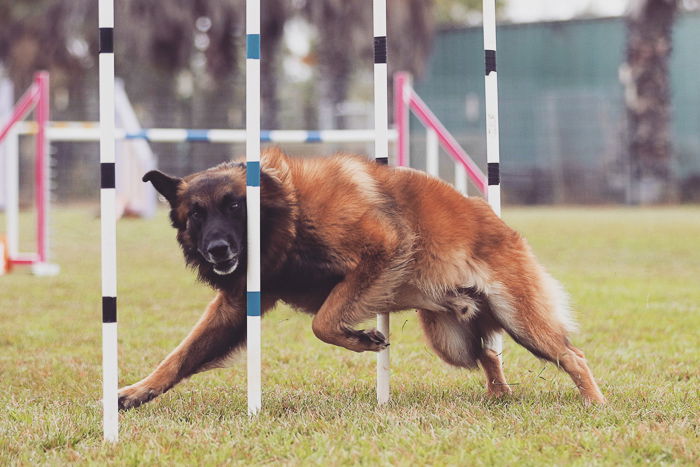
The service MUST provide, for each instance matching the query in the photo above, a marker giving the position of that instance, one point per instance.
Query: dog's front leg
(220, 331)
(358, 297)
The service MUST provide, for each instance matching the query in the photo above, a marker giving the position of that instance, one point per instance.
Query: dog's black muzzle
(219, 250)
(220, 254)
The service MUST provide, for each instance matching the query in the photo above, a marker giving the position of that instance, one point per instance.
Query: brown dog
(343, 239)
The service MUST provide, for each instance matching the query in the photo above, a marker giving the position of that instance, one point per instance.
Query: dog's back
(353, 201)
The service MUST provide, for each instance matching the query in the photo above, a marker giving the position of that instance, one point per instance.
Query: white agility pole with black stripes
(108, 223)
(381, 154)
(253, 310)
(495, 341)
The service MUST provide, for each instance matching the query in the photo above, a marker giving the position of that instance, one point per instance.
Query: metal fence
(561, 103)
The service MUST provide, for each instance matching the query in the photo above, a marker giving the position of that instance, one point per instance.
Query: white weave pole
(381, 154)
(432, 153)
(252, 119)
(495, 341)
(108, 223)
(461, 179)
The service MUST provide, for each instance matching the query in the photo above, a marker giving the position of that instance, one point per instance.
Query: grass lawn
(634, 276)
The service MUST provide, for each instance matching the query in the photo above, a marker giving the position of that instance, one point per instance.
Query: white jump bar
(85, 132)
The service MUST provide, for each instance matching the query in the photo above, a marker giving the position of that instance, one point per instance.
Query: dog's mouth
(226, 267)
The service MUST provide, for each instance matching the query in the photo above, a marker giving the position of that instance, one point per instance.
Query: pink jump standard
(35, 98)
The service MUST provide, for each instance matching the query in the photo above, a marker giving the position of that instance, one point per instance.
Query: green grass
(633, 274)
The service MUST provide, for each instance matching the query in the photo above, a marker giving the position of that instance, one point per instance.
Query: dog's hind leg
(219, 332)
(538, 320)
(489, 356)
(466, 343)
(452, 339)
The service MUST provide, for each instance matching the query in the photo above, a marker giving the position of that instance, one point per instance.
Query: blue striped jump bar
(266, 136)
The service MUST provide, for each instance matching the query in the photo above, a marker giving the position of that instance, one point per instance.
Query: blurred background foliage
(182, 62)
(186, 39)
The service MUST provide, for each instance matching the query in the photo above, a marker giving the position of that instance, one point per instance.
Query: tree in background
(184, 42)
(159, 39)
(182, 59)
(275, 14)
(344, 41)
(460, 12)
(411, 25)
(645, 77)
(46, 34)
(340, 25)
(184, 55)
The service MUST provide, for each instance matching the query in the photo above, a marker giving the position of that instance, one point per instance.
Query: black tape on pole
(109, 309)
(490, 58)
(107, 40)
(494, 173)
(107, 177)
(380, 49)
(382, 160)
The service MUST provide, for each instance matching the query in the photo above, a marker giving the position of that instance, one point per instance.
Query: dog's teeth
(226, 271)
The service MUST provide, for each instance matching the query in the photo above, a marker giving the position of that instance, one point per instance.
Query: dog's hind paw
(498, 390)
(371, 340)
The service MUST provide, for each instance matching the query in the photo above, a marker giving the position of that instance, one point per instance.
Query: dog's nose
(219, 249)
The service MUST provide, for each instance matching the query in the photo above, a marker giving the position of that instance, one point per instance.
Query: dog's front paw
(135, 395)
(371, 340)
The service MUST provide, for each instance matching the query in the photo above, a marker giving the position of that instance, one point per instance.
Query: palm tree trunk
(334, 82)
(276, 14)
(645, 77)
(338, 23)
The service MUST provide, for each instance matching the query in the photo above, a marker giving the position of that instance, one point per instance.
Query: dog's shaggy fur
(344, 239)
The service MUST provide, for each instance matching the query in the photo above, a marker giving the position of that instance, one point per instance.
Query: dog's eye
(196, 214)
(234, 205)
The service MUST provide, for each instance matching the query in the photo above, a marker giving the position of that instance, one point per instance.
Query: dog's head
(209, 211)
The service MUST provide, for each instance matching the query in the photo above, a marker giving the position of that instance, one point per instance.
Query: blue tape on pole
(253, 303)
(252, 46)
(253, 173)
(313, 137)
(197, 135)
(143, 134)
(265, 136)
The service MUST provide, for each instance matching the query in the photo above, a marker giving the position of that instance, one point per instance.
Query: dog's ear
(275, 164)
(275, 193)
(164, 184)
